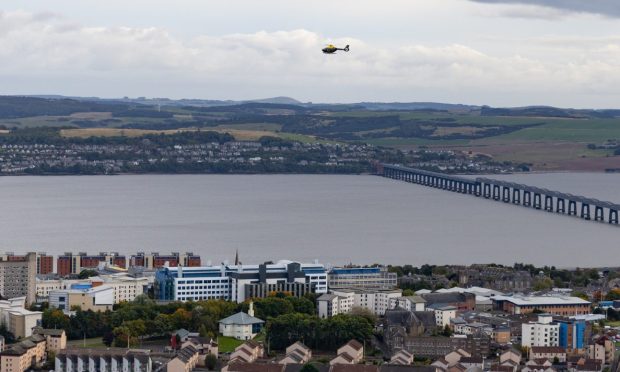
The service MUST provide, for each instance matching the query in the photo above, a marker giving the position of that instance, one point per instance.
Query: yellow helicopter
(331, 49)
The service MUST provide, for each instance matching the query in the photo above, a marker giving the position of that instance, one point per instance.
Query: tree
(308, 368)
(87, 273)
(210, 362)
(108, 338)
(447, 331)
(613, 295)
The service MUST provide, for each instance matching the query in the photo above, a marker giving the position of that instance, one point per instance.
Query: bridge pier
(478, 189)
(487, 190)
(613, 216)
(516, 196)
(572, 208)
(496, 192)
(549, 203)
(560, 207)
(585, 211)
(599, 214)
(527, 198)
(537, 200)
(506, 194)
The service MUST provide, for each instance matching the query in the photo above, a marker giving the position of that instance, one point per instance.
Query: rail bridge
(510, 192)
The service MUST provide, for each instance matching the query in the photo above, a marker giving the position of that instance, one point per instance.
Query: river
(334, 219)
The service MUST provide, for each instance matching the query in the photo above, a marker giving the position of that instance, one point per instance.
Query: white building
(125, 287)
(377, 301)
(331, 304)
(239, 282)
(241, 326)
(98, 298)
(17, 319)
(444, 314)
(544, 332)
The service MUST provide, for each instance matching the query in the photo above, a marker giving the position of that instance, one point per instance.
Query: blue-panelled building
(572, 334)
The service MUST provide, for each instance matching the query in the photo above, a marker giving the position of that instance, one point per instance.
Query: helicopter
(331, 49)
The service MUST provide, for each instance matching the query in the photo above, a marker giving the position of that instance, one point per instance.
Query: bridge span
(510, 192)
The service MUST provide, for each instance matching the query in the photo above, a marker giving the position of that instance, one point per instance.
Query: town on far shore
(170, 312)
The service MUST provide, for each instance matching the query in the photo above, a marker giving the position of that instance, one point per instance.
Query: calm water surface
(336, 219)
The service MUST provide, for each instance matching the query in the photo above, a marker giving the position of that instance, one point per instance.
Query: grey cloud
(609, 8)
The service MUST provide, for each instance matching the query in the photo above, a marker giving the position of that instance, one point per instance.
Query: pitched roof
(548, 349)
(356, 345)
(241, 318)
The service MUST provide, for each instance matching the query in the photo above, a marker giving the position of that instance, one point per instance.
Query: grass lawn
(227, 344)
(95, 342)
(613, 324)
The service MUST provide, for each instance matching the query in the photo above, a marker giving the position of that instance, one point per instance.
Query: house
(241, 326)
(23, 355)
(602, 349)
(248, 352)
(510, 358)
(548, 352)
(185, 361)
(540, 365)
(204, 345)
(55, 339)
(108, 359)
(297, 353)
(350, 353)
(402, 357)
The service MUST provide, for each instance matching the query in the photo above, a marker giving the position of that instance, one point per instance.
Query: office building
(362, 278)
(17, 319)
(556, 305)
(85, 296)
(238, 282)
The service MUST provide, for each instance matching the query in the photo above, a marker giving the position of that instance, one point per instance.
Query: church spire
(237, 257)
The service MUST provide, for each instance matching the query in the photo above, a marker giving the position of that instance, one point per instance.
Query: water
(336, 219)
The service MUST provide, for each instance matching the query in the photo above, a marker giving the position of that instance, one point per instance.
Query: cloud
(609, 8)
(57, 56)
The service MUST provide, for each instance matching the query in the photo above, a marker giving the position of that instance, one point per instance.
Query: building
(377, 301)
(602, 349)
(548, 352)
(462, 301)
(411, 303)
(125, 287)
(444, 314)
(230, 282)
(109, 359)
(17, 277)
(55, 339)
(330, 304)
(17, 319)
(248, 352)
(73, 264)
(23, 355)
(297, 353)
(350, 353)
(544, 332)
(362, 278)
(435, 347)
(573, 334)
(402, 358)
(85, 296)
(556, 305)
(241, 326)
(185, 360)
(154, 260)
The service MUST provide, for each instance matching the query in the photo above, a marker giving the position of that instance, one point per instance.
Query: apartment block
(17, 277)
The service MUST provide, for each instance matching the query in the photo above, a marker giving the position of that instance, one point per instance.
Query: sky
(496, 52)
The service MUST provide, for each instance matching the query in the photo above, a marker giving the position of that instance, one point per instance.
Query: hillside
(548, 138)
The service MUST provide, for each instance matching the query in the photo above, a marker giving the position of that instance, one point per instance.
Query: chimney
(251, 309)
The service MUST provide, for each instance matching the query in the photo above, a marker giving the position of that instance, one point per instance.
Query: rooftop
(241, 318)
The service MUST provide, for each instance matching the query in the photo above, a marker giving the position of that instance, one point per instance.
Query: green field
(227, 344)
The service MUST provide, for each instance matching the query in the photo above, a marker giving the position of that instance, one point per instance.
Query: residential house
(350, 353)
(241, 326)
(548, 352)
(402, 357)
